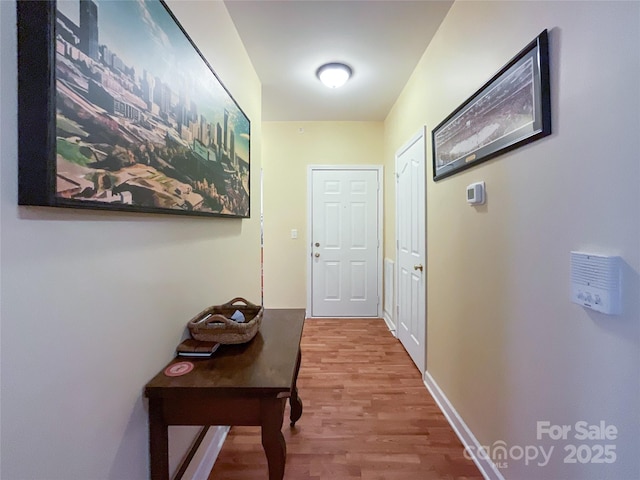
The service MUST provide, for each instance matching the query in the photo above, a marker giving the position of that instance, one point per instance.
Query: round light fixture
(334, 75)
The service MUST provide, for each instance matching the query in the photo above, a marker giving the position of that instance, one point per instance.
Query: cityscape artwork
(140, 121)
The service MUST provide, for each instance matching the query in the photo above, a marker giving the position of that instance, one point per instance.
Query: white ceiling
(382, 41)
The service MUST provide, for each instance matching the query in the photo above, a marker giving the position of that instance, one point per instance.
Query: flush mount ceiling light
(334, 75)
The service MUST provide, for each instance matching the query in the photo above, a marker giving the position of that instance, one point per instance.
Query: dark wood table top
(264, 366)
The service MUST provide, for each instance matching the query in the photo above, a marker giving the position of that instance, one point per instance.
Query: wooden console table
(245, 384)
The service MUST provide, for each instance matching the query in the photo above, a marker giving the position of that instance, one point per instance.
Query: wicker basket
(214, 324)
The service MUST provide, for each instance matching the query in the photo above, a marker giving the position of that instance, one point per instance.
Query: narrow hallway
(367, 415)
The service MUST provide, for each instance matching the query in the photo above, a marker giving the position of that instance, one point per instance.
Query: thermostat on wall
(475, 193)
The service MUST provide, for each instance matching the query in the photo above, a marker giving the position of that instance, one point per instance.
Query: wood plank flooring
(367, 415)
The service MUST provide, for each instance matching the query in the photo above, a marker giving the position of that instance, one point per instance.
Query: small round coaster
(177, 369)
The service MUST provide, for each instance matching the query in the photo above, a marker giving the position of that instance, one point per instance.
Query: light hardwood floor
(367, 415)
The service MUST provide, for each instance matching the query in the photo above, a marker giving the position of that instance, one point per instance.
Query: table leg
(275, 448)
(158, 442)
(294, 400)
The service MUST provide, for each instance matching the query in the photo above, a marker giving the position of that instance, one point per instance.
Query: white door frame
(421, 133)
(310, 170)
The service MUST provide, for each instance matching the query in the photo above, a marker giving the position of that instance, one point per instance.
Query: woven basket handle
(230, 303)
(211, 318)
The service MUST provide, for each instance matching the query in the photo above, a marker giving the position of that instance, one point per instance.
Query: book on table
(195, 348)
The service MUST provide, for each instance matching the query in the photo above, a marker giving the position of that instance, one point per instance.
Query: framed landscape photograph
(510, 110)
(119, 110)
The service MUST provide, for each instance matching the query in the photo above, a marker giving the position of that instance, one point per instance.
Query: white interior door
(344, 234)
(411, 249)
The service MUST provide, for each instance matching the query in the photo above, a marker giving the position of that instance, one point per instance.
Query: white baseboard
(485, 465)
(390, 325)
(202, 462)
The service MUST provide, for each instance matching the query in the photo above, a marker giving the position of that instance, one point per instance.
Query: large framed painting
(512, 109)
(119, 110)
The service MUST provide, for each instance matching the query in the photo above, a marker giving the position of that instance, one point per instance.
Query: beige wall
(504, 341)
(288, 149)
(94, 303)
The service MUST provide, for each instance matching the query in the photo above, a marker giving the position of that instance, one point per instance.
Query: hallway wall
(505, 343)
(94, 303)
(289, 148)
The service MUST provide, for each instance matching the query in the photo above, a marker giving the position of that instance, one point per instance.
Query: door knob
(317, 255)
(418, 267)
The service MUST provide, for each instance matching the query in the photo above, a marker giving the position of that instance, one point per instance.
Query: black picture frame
(119, 110)
(512, 109)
